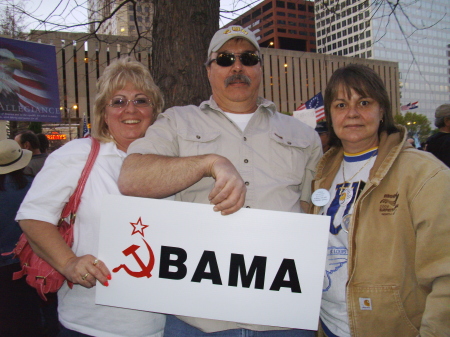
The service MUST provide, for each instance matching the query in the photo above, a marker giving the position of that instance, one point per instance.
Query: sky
(72, 12)
(244, 5)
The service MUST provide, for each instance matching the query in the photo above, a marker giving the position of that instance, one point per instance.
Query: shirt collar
(262, 103)
(110, 148)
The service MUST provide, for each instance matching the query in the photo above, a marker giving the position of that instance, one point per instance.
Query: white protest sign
(307, 116)
(253, 266)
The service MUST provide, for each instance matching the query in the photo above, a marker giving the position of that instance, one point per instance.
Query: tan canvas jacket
(399, 242)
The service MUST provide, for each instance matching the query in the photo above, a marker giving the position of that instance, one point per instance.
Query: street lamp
(69, 113)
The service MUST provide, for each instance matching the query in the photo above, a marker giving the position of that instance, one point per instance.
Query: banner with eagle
(28, 82)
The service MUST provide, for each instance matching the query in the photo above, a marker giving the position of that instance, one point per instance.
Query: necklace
(362, 167)
(346, 194)
(348, 182)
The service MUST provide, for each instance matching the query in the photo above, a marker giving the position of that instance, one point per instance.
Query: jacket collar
(389, 149)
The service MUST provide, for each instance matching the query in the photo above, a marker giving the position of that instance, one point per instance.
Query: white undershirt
(241, 120)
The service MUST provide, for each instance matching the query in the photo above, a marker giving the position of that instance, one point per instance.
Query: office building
(281, 24)
(416, 35)
(127, 19)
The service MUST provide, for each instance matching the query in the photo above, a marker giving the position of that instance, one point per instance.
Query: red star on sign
(138, 227)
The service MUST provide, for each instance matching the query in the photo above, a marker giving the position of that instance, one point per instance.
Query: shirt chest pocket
(288, 156)
(194, 143)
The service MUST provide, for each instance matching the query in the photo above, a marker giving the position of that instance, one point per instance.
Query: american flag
(86, 132)
(315, 103)
(31, 82)
(410, 106)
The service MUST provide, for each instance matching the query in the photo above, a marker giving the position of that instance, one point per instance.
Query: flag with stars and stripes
(315, 103)
(410, 106)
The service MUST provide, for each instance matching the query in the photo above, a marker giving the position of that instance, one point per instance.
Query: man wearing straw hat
(19, 310)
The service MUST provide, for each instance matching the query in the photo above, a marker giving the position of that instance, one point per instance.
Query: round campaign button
(320, 197)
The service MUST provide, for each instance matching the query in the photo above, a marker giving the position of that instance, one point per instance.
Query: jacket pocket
(288, 156)
(194, 143)
(379, 311)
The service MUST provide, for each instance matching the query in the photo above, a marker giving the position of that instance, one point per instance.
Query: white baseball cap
(225, 34)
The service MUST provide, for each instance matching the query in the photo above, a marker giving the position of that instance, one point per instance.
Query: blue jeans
(177, 328)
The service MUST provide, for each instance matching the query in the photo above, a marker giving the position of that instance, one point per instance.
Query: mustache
(237, 77)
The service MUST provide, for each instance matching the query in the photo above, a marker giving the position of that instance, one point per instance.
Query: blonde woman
(127, 103)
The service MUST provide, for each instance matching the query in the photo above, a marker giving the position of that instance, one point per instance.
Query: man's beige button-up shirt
(276, 156)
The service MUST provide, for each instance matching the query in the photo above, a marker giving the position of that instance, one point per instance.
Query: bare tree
(12, 20)
(237, 8)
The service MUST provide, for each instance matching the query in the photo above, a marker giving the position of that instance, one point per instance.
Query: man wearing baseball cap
(234, 150)
(439, 143)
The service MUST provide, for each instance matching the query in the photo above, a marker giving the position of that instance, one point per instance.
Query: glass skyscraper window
(420, 46)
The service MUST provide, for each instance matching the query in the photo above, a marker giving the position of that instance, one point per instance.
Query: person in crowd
(439, 143)
(126, 104)
(19, 310)
(322, 130)
(29, 141)
(388, 261)
(44, 143)
(234, 150)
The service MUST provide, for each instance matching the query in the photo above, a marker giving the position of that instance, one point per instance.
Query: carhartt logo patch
(365, 303)
(388, 205)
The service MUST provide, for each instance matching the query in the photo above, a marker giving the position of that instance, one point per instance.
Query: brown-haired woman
(388, 261)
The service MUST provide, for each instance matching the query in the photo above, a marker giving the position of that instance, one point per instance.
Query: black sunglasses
(248, 59)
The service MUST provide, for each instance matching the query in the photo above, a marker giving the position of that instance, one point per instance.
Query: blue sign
(28, 82)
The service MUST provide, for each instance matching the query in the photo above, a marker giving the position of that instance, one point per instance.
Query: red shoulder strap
(74, 201)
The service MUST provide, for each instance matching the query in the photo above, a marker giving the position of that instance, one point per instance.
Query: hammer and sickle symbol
(146, 269)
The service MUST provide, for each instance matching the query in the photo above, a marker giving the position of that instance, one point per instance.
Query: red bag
(40, 274)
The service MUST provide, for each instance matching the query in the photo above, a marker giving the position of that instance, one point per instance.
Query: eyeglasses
(120, 102)
(248, 59)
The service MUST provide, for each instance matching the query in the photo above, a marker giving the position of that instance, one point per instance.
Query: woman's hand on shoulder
(86, 270)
